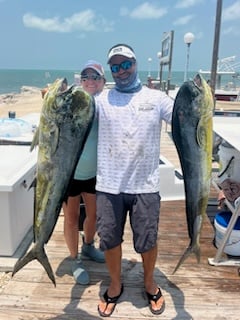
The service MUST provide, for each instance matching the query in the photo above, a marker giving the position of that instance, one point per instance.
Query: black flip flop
(155, 298)
(109, 300)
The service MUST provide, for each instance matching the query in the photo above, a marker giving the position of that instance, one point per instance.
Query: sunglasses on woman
(125, 65)
(91, 77)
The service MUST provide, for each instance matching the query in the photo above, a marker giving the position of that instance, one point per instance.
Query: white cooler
(17, 171)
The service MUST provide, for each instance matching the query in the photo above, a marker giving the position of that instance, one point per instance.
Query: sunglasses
(91, 77)
(125, 65)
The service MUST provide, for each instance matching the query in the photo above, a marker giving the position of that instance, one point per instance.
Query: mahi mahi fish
(65, 121)
(192, 135)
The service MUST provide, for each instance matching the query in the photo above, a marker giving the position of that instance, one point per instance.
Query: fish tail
(39, 255)
(191, 249)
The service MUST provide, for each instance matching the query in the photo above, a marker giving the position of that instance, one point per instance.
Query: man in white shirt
(130, 118)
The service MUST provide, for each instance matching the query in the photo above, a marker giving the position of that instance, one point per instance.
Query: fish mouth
(198, 81)
(64, 85)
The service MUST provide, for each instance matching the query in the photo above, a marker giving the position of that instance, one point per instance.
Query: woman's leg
(71, 217)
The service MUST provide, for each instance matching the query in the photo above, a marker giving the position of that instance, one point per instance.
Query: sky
(64, 34)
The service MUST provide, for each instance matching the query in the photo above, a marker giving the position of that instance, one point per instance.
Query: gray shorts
(144, 211)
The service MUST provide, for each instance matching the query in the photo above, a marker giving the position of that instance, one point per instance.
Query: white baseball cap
(121, 50)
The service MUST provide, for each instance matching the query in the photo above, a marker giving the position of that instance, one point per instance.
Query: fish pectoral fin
(54, 139)
(201, 135)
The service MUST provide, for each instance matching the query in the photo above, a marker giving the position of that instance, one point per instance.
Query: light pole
(159, 55)
(188, 39)
(149, 67)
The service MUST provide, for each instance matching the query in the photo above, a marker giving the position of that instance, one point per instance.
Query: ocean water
(11, 81)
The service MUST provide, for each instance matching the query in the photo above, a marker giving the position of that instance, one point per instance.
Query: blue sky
(64, 34)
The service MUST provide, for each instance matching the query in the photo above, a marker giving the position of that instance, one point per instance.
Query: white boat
(18, 131)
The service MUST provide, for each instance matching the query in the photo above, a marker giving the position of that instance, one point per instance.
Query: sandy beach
(29, 100)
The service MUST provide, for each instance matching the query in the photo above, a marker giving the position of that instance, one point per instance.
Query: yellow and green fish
(65, 121)
(192, 135)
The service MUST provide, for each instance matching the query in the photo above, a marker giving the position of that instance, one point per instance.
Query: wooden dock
(195, 291)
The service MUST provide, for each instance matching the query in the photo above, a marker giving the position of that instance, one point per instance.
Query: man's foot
(110, 304)
(91, 252)
(156, 302)
(79, 273)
